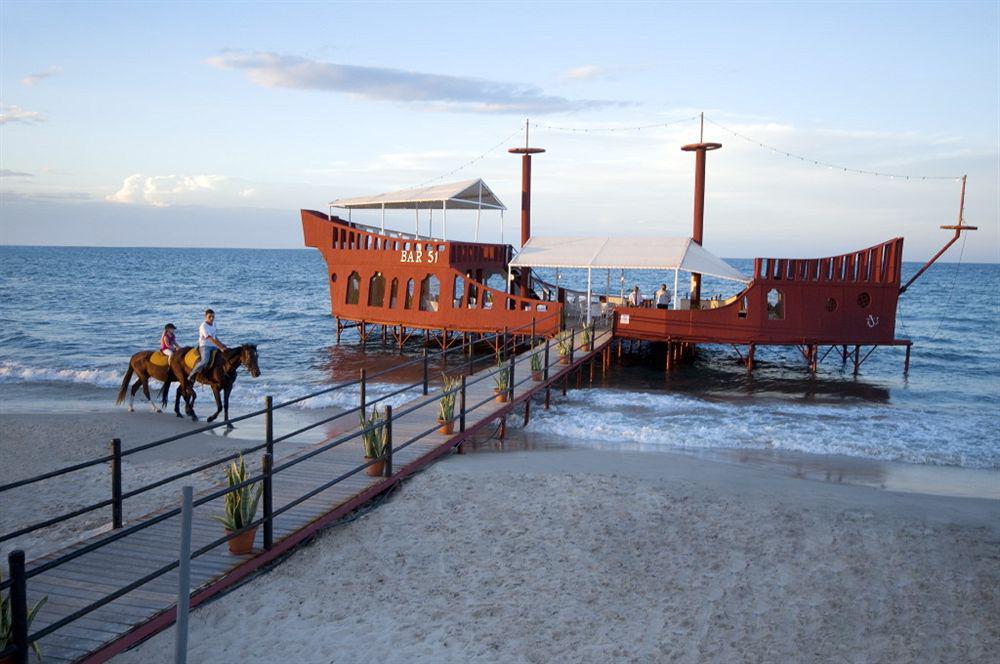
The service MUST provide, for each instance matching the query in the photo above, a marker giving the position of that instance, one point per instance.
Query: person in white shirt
(208, 340)
(635, 297)
(662, 297)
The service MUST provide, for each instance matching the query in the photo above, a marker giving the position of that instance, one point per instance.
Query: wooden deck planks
(92, 576)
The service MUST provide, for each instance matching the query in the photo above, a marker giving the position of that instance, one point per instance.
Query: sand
(596, 556)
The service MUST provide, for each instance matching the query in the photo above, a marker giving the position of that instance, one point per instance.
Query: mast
(700, 149)
(525, 153)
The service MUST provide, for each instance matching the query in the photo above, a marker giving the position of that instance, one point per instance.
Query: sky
(212, 124)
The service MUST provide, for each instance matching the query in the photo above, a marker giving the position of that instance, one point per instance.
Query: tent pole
(416, 213)
(588, 296)
(676, 275)
(430, 224)
(383, 218)
(444, 213)
(479, 209)
(501, 226)
(623, 287)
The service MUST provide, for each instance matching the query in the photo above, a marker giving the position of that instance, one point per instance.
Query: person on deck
(208, 340)
(635, 297)
(168, 342)
(662, 297)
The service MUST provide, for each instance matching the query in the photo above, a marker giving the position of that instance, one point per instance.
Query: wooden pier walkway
(136, 615)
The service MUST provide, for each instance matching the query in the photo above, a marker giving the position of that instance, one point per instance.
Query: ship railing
(506, 344)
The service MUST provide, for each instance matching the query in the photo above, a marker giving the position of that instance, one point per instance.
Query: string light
(473, 161)
(845, 169)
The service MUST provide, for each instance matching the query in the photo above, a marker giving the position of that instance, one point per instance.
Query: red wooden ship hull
(408, 283)
(841, 300)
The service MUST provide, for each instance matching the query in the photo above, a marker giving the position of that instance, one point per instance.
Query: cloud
(14, 113)
(434, 91)
(31, 80)
(588, 72)
(7, 173)
(248, 192)
(164, 190)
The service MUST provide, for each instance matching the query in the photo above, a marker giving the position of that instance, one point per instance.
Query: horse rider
(208, 340)
(168, 342)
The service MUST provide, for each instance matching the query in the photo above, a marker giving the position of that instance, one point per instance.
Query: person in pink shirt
(168, 342)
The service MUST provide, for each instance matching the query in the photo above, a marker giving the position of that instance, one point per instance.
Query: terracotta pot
(446, 427)
(501, 396)
(585, 348)
(375, 470)
(536, 376)
(564, 359)
(242, 544)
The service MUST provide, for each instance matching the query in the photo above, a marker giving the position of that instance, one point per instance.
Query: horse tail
(125, 381)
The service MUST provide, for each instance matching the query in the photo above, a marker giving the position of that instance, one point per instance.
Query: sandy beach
(596, 555)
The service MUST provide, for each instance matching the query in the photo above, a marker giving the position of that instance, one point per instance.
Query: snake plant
(564, 342)
(374, 435)
(446, 406)
(7, 624)
(241, 504)
(536, 360)
(502, 377)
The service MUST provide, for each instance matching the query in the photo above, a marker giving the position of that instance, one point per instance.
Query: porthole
(831, 304)
(864, 299)
(333, 277)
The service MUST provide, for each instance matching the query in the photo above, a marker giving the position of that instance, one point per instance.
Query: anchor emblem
(872, 320)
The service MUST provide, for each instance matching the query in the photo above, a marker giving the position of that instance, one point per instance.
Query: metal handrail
(268, 518)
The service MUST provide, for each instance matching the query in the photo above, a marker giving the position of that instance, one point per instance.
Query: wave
(12, 372)
(650, 421)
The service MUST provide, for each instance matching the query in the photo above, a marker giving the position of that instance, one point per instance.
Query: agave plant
(7, 623)
(586, 336)
(446, 406)
(564, 342)
(241, 504)
(373, 434)
(502, 377)
(536, 360)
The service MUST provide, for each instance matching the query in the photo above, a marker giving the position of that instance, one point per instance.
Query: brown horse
(143, 367)
(220, 375)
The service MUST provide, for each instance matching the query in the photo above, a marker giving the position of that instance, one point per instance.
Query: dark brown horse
(144, 368)
(220, 375)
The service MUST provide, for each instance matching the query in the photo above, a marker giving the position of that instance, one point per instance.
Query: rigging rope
(472, 161)
(845, 169)
(587, 130)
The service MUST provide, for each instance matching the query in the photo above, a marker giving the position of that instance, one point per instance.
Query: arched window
(458, 292)
(376, 290)
(353, 288)
(744, 307)
(473, 301)
(394, 294)
(409, 294)
(775, 304)
(430, 292)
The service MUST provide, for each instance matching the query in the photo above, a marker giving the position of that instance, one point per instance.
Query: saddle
(192, 356)
(159, 359)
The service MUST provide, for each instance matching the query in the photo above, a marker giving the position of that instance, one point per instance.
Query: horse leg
(225, 405)
(218, 403)
(131, 398)
(165, 391)
(145, 391)
(189, 398)
(177, 403)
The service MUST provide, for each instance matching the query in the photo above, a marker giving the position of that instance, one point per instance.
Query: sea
(70, 318)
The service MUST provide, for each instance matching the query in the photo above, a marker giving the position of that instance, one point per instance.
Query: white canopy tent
(464, 195)
(625, 253)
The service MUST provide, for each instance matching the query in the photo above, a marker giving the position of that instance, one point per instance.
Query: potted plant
(375, 439)
(586, 340)
(7, 625)
(536, 365)
(502, 380)
(446, 406)
(240, 508)
(564, 342)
